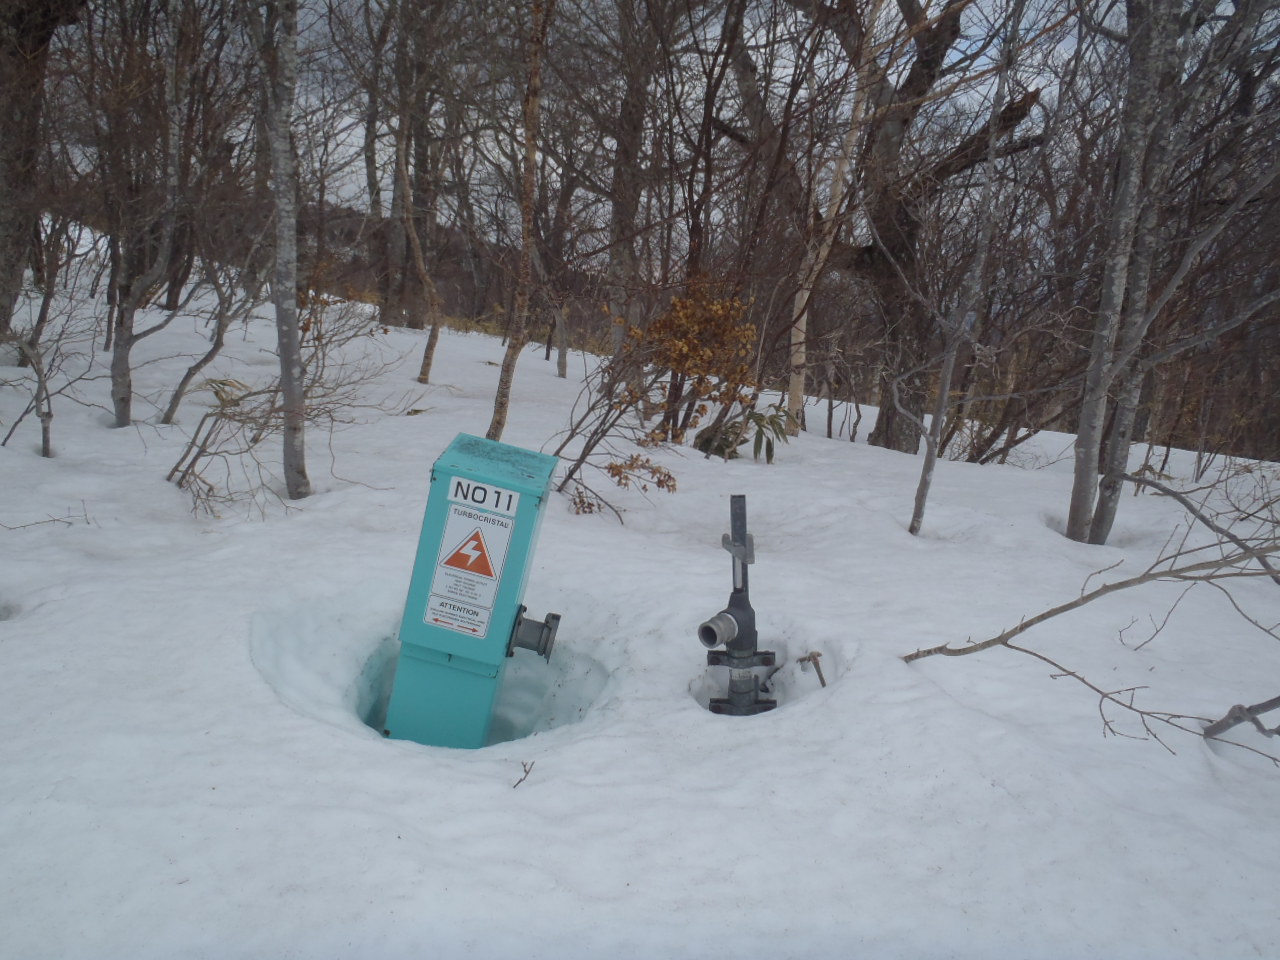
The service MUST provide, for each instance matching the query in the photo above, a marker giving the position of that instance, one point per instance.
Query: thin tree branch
(1195, 511)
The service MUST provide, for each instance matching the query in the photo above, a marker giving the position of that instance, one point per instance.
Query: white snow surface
(186, 769)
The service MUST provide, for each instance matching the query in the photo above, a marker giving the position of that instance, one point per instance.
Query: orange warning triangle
(472, 556)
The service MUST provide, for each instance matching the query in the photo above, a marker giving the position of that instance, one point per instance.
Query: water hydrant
(734, 627)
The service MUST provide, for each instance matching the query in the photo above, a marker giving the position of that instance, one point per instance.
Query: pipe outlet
(719, 629)
(535, 635)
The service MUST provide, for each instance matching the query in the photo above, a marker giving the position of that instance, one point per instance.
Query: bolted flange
(536, 635)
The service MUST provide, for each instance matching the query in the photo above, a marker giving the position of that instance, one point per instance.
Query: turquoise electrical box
(463, 617)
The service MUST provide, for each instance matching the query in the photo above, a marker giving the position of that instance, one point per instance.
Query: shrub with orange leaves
(707, 345)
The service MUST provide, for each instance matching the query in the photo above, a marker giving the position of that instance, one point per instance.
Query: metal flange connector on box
(536, 635)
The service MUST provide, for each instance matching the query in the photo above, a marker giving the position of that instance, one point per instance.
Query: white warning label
(458, 616)
(473, 551)
(485, 496)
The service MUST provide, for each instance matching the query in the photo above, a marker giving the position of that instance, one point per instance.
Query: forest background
(987, 218)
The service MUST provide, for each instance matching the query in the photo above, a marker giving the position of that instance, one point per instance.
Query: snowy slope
(187, 770)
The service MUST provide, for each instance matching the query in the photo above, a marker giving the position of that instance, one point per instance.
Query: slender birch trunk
(816, 256)
(966, 309)
(1168, 80)
(540, 23)
(1146, 31)
(623, 271)
(277, 41)
(818, 250)
(933, 435)
(435, 310)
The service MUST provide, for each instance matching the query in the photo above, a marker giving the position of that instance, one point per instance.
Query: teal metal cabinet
(463, 616)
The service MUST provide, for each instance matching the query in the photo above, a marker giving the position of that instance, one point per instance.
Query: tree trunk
(376, 245)
(147, 260)
(434, 310)
(1127, 376)
(392, 292)
(26, 28)
(429, 353)
(278, 51)
(1116, 462)
(51, 262)
(638, 51)
(815, 262)
(798, 362)
(1148, 29)
(933, 435)
(562, 342)
(903, 383)
(542, 11)
(963, 319)
(121, 366)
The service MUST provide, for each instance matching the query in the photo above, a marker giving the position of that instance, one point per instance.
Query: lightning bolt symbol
(470, 549)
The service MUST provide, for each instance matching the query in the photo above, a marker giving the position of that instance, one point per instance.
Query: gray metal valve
(734, 627)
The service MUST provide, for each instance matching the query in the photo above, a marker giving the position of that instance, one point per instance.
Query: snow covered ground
(186, 770)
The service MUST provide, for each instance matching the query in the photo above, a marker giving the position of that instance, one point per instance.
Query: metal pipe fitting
(535, 635)
(721, 628)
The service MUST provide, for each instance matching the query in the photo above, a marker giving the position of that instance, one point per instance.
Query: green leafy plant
(769, 424)
(762, 428)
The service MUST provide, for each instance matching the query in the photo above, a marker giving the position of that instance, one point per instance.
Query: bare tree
(26, 29)
(1176, 61)
(905, 70)
(636, 52)
(145, 226)
(540, 15)
(960, 323)
(223, 460)
(151, 100)
(823, 235)
(273, 27)
(56, 353)
(232, 303)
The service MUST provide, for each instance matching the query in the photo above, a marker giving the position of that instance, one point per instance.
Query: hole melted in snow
(537, 695)
(335, 662)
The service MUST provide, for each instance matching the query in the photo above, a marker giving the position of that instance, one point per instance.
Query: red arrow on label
(454, 626)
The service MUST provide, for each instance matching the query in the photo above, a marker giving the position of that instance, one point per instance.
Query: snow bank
(191, 763)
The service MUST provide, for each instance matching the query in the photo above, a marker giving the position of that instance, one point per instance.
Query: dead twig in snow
(69, 520)
(1121, 698)
(813, 657)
